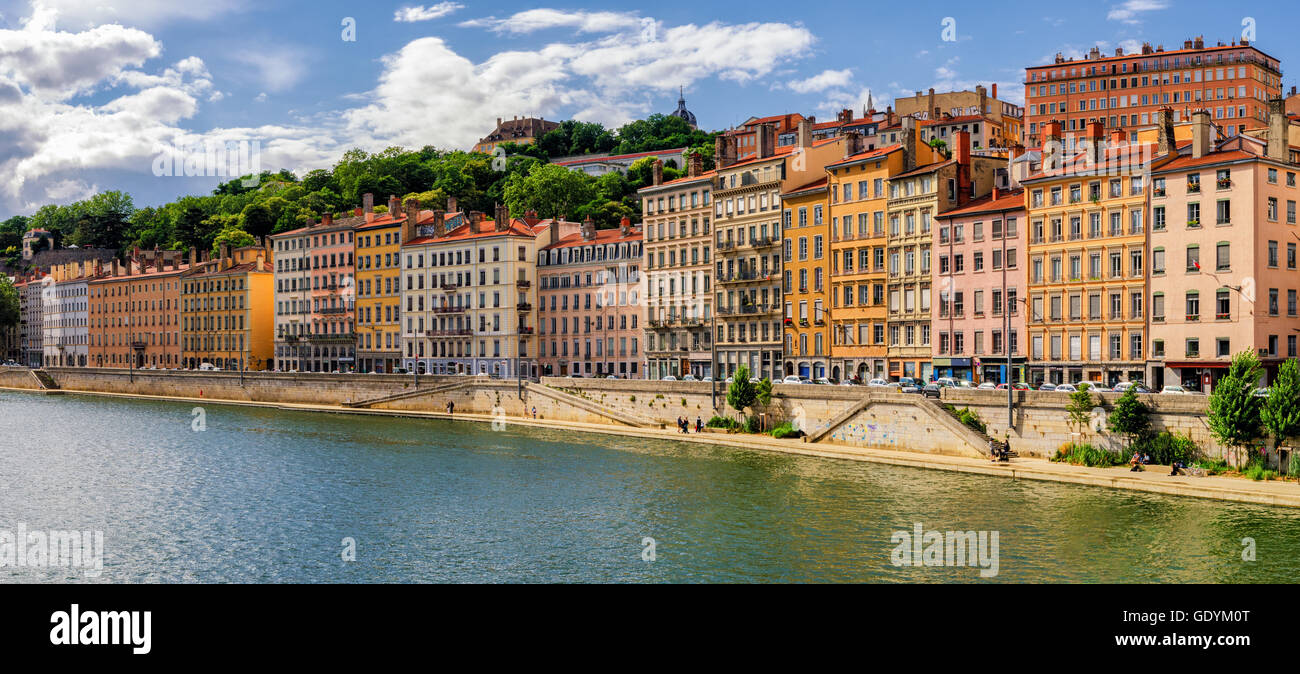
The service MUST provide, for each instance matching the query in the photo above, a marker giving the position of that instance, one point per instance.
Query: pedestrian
(450, 406)
(699, 425)
(534, 411)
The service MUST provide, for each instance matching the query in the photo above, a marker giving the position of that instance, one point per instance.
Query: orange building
(134, 312)
(806, 283)
(228, 311)
(1125, 91)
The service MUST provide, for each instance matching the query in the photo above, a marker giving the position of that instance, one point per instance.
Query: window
(1222, 260)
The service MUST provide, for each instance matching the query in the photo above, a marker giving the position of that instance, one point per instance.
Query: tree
(9, 314)
(741, 394)
(1130, 418)
(1079, 410)
(256, 219)
(1281, 410)
(235, 238)
(553, 191)
(1234, 415)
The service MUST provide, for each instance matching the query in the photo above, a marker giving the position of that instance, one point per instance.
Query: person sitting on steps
(1136, 462)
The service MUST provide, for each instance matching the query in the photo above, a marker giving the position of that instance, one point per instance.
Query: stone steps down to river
(415, 393)
(45, 381)
(620, 416)
(901, 421)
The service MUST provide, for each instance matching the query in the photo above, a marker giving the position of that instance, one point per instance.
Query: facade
(228, 311)
(467, 293)
(743, 140)
(590, 314)
(1223, 222)
(678, 244)
(31, 306)
(1006, 119)
(915, 198)
(805, 283)
(1087, 243)
(315, 295)
(30, 237)
(519, 131)
(980, 249)
(135, 312)
(748, 233)
(857, 268)
(1126, 91)
(292, 252)
(65, 320)
(378, 289)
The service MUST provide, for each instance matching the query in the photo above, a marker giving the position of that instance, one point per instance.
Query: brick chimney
(451, 205)
(1118, 137)
(501, 214)
(326, 219)
(394, 206)
(984, 97)
(805, 137)
(852, 143)
(994, 92)
(1052, 150)
(931, 112)
(1278, 141)
(439, 223)
(1165, 131)
(367, 202)
(625, 226)
(194, 257)
(765, 141)
(1200, 133)
(588, 229)
(961, 153)
(657, 172)
(694, 165)
(724, 151)
(1096, 134)
(412, 217)
(909, 141)
(889, 115)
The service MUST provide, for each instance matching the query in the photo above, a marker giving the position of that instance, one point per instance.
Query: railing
(451, 287)
(458, 332)
(449, 310)
(523, 283)
(523, 306)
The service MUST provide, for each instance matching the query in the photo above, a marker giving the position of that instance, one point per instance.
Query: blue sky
(93, 91)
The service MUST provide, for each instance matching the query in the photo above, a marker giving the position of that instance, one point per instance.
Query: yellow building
(1086, 285)
(805, 283)
(857, 261)
(228, 311)
(379, 291)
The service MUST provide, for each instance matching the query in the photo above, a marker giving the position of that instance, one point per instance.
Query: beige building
(676, 218)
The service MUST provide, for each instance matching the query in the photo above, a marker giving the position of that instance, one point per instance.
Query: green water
(270, 496)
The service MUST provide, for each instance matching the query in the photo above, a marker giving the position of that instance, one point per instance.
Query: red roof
(602, 236)
(1007, 201)
(963, 119)
(703, 176)
(868, 154)
(469, 230)
(1188, 161)
(819, 183)
(589, 160)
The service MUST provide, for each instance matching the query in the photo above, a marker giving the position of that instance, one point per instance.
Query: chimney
(961, 148)
(852, 143)
(1096, 133)
(394, 206)
(625, 226)
(994, 93)
(804, 138)
(1118, 137)
(501, 214)
(889, 115)
(930, 111)
(657, 172)
(962, 154)
(1165, 131)
(412, 217)
(367, 202)
(1052, 150)
(588, 229)
(1200, 133)
(765, 141)
(194, 257)
(1278, 141)
(984, 97)
(326, 219)
(451, 205)
(694, 165)
(439, 223)
(724, 151)
(225, 262)
(908, 139)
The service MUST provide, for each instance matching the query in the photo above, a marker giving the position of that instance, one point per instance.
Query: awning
(1198, 366)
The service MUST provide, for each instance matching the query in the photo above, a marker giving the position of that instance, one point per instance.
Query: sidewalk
(1155, 480)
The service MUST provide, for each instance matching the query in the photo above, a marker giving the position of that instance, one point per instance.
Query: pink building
(590, 317)
(1223, 243)
(333, 295)
(979, 282)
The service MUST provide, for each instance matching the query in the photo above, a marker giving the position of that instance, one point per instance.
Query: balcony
(458, 332)
(747, 277)
(139, 346)
(523, 306)
(449, 310)
(451, 287)
(333, 310)
(526, 330)
(523, 283)
(337, 338)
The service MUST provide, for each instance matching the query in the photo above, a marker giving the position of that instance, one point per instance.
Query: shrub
(968, 417)
(1213, 466)
(723, 422)
(751, 425)
(786, 430)
(1167, 447)
(1255, 470)
(1087, 455)
(1295, 464)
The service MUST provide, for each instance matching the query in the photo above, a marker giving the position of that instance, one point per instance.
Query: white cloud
(822, 81)
(135, 12)
(1130, 10)
(277, 68)
(61, 64)
(422, 13)
(534, 20)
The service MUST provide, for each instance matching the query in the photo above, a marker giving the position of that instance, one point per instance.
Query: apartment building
(134, 312)
(65, 321)
(1005, 120)
(467, 289)
(805, 283)
(31, 320)
(228, 310)
(1087, 238)
(1126, 91)
(915, 197)
(745, 138)
(748, 232)
(1223, 223)
(378, 308)
(678, 245)
(980, 251)
(590, 315)
(858, 184)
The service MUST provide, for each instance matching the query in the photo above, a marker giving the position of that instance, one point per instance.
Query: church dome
(681, 110)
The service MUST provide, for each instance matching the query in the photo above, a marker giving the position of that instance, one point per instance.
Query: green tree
(553, 191)
(1234, 414)
(742, 393)
(1131, 417)
(1079, 410)
(256, 219)
(1281, 410)
(235, 238)
(9, 315)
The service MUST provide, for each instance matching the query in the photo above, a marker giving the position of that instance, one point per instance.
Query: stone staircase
(579, 402)
(971, 442)
(45, 381)
(361, 404)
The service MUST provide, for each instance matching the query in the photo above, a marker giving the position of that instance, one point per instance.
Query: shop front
(956, 368)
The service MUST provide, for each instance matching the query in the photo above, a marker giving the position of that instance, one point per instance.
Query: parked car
(1018, 386)
(707, 379)
(847, 382)
(208, 367)
(669, 378)
(946, 382)
(689, 377)
(1092, 387)
(822, 380)
(612, 376)
(1065, 388)
(877, 383)
(1174, 390)
(932, 390)
(1047, 386)
(987, 386)
(792, 379)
